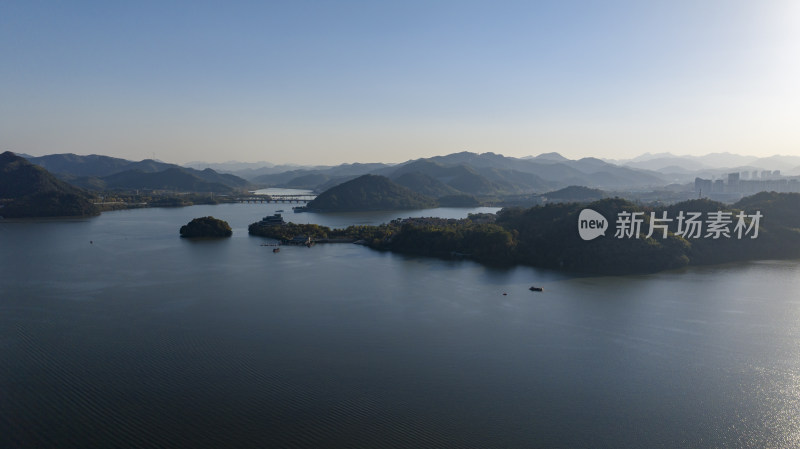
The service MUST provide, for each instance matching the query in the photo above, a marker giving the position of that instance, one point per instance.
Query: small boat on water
(536, 289)
(276, 250)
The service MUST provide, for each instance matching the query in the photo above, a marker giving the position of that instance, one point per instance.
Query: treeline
(547, 236)
(122, 200)
(486, 243)
(48, 204)
(437, 237)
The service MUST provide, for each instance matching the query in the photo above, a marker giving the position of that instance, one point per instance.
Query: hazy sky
(378, 81)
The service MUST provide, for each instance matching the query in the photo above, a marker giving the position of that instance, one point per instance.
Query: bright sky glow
(365, 81)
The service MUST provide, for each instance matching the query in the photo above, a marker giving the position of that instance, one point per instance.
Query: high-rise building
(733, 182)
(702, 186)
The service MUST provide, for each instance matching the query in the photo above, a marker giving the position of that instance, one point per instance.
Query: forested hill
(369, 193)
(763, 226)
(548, 236)
(27, 190)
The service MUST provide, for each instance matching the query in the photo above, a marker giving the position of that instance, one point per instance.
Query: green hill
(425, 184)
(368, 193)
(27, 190)
(548, 237)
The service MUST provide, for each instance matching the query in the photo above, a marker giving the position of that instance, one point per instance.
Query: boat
(279, 210)
(276, 250)
(536, 289)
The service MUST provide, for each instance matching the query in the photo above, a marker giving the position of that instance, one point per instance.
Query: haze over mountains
(713, 163)
(95, 172)
(458, 174)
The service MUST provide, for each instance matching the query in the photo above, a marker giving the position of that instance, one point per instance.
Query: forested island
(206, 227)
(547, 236)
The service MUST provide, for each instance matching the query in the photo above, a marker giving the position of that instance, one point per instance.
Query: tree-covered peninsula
(206, 227)
(637, 239)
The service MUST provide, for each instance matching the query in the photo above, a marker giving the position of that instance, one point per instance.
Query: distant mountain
(686, 168)
(175, 179)
(470, 159)
(259, 172)
(79, 165)
(485, 175)
(305, 177)
(230, 166)
(459, 177)
(515, 181)
(333, 182)
(369, 193)
(667, 162)
(226, 179)
(553, 170)
(777, 162)
(96, 172)
(548, 157)
(723, 160)
(474, 183)
(710, 161)
(575, 194)
(249, 171)
(425, 184)
(308, 181)
(27, 190)
(93, 164)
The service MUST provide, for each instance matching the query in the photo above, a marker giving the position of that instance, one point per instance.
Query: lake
(114, 332)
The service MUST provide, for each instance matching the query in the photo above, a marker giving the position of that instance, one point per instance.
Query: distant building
(702, 186)
(733, 182)
(275, 219)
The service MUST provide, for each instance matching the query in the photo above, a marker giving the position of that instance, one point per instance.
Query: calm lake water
(143, 339)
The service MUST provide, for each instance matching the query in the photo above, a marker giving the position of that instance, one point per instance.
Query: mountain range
(464, 174)
(711, 164)
(96, 172)
(486, 174)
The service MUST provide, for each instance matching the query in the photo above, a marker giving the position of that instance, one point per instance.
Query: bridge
(290, 198)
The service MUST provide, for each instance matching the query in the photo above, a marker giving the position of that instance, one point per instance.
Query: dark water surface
(142, 339)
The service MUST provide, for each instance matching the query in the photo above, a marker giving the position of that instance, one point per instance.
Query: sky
(328, 82)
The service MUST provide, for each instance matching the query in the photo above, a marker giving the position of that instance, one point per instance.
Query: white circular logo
(591, 224)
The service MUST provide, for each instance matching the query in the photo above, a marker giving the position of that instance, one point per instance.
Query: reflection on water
(143, 339)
